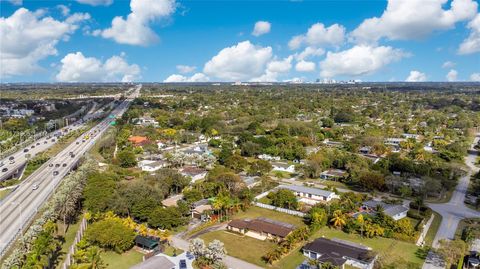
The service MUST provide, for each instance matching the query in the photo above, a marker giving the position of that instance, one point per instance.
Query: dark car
(55, 173)
(50, 165)
(45, 142)
(72, 155)
(33, 146)
(182, 264)
(78, 142)
(4, 169)
(38, 143)
(57, 165)
(53, 140)
(11, 158)
(64, 165)
(25, 150)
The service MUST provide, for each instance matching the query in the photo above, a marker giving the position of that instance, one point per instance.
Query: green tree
(127, 158)
(110, 233)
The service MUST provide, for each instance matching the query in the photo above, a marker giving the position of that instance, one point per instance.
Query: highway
(17, 209)
(10, 164)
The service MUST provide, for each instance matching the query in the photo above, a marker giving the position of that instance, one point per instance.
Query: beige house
(261, 228)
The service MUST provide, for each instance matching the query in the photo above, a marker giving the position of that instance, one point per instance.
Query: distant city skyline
(251, 41)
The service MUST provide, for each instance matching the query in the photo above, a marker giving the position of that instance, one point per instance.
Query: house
(283, 167)
(394, 141)
(340, 253)
(138, 140)
(310, 195)
(411, 136)
(197, 149)
(201, 209)
(395, 211)
(333, 144)
(155, 262)
(365, 150)
(333, 174)
(250, 181)
(145, 121)
(151, 165)
(195, 173)
(261, 228)
(267, 157)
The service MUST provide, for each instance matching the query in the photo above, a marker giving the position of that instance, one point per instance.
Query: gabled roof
(263, 225)
(313, 191)
(155, 262)
(336, 250)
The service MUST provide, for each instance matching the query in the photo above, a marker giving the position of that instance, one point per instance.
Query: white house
(194, 172)
(411, 136)
(283, 167)
(394, 141)
(310, 195)
(152, 166)
(395, 211)
(267, 157)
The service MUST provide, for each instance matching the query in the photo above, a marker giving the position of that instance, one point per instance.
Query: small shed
(145, 242)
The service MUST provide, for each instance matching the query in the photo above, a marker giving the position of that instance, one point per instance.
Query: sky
(226, 40)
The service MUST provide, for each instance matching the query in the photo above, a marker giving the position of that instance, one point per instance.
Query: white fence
(81, 230)
(280, 209)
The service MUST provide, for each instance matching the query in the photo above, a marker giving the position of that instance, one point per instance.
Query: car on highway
(55, 173)
(72, 155)
(64, 165)
(45, 142)
(11, 158)
(12, 161)
(1, 164)
(78, 142)
(57, 165)
(38, 143)
(50, 165)
(25, 150)
(34, 186)
(53, 140)
(4, 169)
(33, 146)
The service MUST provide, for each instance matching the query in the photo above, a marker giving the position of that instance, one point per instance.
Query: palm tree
(338, 220)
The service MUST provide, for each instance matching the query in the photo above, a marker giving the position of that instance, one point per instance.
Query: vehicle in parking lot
(182, 264)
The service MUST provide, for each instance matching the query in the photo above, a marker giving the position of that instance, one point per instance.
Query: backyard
(113, 260)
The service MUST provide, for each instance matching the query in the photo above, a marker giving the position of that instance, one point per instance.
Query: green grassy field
(433, 229)
(69, 237)
(171, 251)
(113, 260)
(243, 247)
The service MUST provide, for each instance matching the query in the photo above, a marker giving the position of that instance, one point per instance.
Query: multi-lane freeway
(17, 209)
(12, 163)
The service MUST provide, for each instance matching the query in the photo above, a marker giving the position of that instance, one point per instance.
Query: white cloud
(413, 19)
(28, 37)
(416, 76)
(475, 77)
(239, 62)
(16, 2)
(96, 2)
(318, 35)
(185, 68)
(280, 66)
(64, 10)
(448, 64)
(78, 68)
(452, 75)
(309, 52)
(135, 30)
(359, 60)
(197, 77)
(305, 66)
(472, 43)
(261, 28)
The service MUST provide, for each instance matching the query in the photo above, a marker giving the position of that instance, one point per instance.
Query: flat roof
(304, 189)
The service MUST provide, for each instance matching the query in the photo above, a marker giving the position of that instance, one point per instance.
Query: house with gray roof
(395, 211)
(310, 195)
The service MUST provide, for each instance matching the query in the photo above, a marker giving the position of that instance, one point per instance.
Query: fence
(78, 237)
(280, 209)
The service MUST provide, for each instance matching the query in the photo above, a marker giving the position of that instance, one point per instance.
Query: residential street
(455, 210)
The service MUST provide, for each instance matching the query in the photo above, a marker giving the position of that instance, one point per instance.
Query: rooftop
(263, 225)
(337, 250)
(303, 189)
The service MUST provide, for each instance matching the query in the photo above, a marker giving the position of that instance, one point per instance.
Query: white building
(152, 166)
(283, 167)
(310, 195)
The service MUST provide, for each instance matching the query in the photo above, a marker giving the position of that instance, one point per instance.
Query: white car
(35, 186)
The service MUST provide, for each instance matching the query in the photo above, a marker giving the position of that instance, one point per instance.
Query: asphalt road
(21, 157)
(17, 209)
(455, 210)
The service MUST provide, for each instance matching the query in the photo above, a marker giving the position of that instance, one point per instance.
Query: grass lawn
(265, 200)
(254, 212)
(170, 251)
(4, 193)
(126, 260)
(433, 229)
(69, 237)
(243, 247)
(390, 251)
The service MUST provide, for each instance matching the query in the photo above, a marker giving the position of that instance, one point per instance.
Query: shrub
(111, 234)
